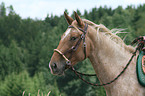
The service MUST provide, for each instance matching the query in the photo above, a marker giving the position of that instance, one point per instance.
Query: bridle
(74, 48)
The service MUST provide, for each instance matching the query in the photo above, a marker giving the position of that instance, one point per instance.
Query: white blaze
(66, 33)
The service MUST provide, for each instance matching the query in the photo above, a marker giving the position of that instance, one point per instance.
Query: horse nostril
(54, 65)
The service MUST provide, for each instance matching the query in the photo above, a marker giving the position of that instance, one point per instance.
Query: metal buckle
(82, 36)
(73, 48)
(84, 44)
(68, 63)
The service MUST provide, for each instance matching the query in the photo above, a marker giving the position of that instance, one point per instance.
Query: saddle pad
(139, 69)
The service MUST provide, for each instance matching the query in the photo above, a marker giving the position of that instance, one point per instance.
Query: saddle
(140, 66)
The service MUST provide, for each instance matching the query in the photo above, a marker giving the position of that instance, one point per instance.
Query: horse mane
(110, 33)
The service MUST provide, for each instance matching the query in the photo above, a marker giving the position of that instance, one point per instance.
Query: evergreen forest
(26, 47)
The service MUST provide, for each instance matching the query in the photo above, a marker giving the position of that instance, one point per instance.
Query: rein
(79, 74)
(74, 48)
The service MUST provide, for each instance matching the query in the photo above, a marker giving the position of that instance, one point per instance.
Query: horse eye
(73, 38)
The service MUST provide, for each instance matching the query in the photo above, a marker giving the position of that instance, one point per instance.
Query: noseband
(75, 47)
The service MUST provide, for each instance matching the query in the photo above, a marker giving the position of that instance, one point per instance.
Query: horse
(106, 51)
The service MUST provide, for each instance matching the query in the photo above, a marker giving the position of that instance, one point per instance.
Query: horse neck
(107, 57)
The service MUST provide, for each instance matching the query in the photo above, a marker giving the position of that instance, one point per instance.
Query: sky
(40, 8)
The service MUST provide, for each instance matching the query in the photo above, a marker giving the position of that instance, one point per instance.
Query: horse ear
(78, 19)
(68, 18)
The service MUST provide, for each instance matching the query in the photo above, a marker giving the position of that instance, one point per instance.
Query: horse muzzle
(57, 68)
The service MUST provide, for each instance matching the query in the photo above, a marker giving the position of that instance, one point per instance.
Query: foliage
(15, 84)
(26, 46)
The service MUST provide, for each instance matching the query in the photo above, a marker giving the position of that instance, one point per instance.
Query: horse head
(73, 47)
